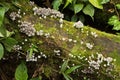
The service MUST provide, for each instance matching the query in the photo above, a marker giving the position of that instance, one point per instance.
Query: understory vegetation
(59, 40)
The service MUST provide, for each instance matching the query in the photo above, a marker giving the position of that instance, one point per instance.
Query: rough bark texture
(68, 39)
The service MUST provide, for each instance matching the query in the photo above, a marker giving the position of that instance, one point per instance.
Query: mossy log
(57, 44)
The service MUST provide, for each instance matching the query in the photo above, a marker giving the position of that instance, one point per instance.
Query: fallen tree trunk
(52, 41)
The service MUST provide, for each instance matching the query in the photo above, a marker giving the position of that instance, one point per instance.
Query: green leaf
(116, 26)
(78, 7)
(104, 1)
(4, 32)
(32, 49)
(69, 77)
(68, 71)
(113, 20)
(8, 33)
(9, 43)
(66, 76)
(31, 52)
(118, 6)
(89, 10)
(21, 72)
(67, 3)
(56, 4)
(1, 51)
(64, 66)
(74, 18)
(2, 12)
(96, 3)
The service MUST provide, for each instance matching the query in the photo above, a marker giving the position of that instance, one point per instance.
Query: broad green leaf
(104, 1)
(74, 18)
(78, 7)
(113, 20)
(67, 3)
(68, 71)
(89, 10)
(64, 66)
(118, 6)
(96, 3)
(1, 51)
(56, 4)
(2, 12)
(116, 26)
(9, 43)
(21, 72)
(2, 31)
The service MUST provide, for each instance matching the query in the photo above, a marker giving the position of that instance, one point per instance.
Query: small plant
(114, 20)
(6, 42)
(86, 7)
(21, 72)
(118, 6)
(1, 51)
(33, 48)
(2, 12)
(31, 53)
(65, 72)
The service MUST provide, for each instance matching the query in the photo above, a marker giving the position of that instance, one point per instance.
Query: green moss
(50, 30)
(76, 50)
(38, 26)
(47, 71)
(116, 56)
(104, 34)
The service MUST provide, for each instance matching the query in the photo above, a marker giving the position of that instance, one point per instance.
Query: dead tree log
(41, 32)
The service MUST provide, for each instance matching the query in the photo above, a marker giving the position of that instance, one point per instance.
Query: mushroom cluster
(27, 28)
(47, 12)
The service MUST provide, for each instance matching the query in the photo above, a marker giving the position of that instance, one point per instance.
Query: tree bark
(56, 42)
